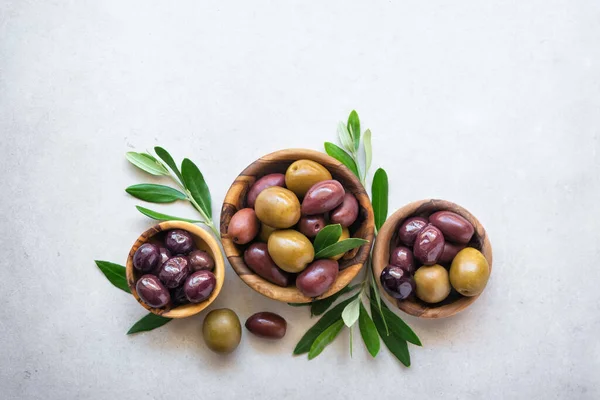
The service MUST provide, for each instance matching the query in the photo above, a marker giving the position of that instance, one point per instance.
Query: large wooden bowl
(387, 238)
(204, 241)
(278, 162)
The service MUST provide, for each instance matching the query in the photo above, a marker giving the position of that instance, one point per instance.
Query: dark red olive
(397, 282)
(179, 241)
(243, 226)
(410, 229)
(165, 254)
(310, 225)
(450, 251)
(429, 245)
(146, 258)
(322, 197)
(174, 271)
(199, 285)
(257, 258)
(200, 260)
(346, 213)
(454, 227)
(266, 181)
(402, 257)
(267, 324)
(152, 291)
(318, 277)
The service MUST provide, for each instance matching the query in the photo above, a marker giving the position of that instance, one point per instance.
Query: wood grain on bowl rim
(388, 234)
(204, 241)
(235, 199)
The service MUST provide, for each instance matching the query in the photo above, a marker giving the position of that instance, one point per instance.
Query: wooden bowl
(204, 241)
(278, 162)
(387, 238)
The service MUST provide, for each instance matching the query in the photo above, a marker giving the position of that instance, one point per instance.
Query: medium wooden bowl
(278, 162)
(204, 241)
(387, 238)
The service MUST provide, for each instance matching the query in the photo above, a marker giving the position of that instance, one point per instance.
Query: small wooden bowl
(278, 162)
(204, 241)
(387, 238)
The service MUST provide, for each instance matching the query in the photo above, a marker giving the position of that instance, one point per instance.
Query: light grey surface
(492, 104)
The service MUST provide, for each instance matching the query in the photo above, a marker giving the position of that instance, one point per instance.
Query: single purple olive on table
(199, 285)
(146, 258)
(397, 282)
(318, 277)
(408, 231)
(311, 225)
(243, 226)
(454, 227)
(450, 251)
(429, 245)
(152, 291)
(179, 241)
(346, 213)
(178, 296)
(200, 261)
(174, 272)
(267, 325)
(266, 181)
(257, 258)
(402, 257)
(322, 197)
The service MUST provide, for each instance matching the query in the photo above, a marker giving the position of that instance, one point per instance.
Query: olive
(345, 235)
(174, 271)
(165, 254)
(454, 227)
(317, 278)
(199, 285)
(397, 282)
(402, 257)
(243, 226)
(303, 174)
(267, 324)
(469, 272)
(310, 225)
(146, 258)
(290, 250)
(257, 258)
(200, 260)
(178, 296)
(429, 245)
(266, 181)
(432, 283)
(179, 241)
(152, 291)
(265, 232)
(322, 197)
(410, 229)
(222, 330)
(346, 213)
(450, 251)
(277, 207)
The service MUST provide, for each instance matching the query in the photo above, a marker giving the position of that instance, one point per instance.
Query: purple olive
(267, 324)
(146, 258)
(429, 245)
(200, 260)
(310, 225)
(318, 277)
(410, 229)
(243, 226)
(179, 241)
(152, 291)
(402, 257)
(199, 285)
(257, 258)
(454, 227)
(397, 282)
(174, 271)
(346, 213)
(266, 181)
(322, 197)
(178, 296)
(450, 251)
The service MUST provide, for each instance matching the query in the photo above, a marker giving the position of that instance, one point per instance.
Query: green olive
(303, 174)
(469, 272)
(265, 232)
(222, 330)
(432, 283)
(345, 235)
(277, 207)
(290, 250)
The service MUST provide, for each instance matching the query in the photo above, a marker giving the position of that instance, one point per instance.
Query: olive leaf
(368, 331)
(327, 236)
(155, 193)
(147, 163)
(375, 294)
(340, 248)
(166, 157)
(115, 273)
(397, 326)
(397, 346)
(368, 149)
(320, 306)
(148, 323)
(164, 217)
(325, 338)
(343, 157)
(345, 138)
(354, 128)
(350, 313)
(195, 183)
(379, 195)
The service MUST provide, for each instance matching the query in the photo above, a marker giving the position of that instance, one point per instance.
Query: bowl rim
(185, 310)
(246, 178)
(382, 250)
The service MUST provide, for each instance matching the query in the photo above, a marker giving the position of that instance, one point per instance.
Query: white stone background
(492, 104)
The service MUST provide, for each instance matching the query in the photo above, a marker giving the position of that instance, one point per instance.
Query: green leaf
(326, 320)
(345, 138)
(351, 311)
(320, 306)
(325, 338)
(368, 331)
(368, 149)
(327, 236)
(299, 304)
(164, 217)
(147, 163)
(343, 157)
(379, 194)
(149, 322)
(375, 294)
(398, 327)
(115, 273)
(155, 193)
(397, 346)
(166, 157)
(340, 247)
(194, 182)
(354, 128)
